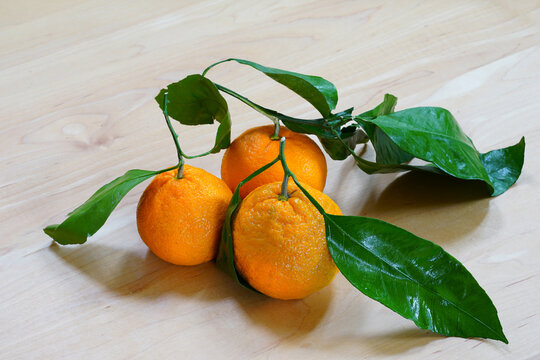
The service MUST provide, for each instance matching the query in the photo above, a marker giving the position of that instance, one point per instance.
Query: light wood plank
(77, 86)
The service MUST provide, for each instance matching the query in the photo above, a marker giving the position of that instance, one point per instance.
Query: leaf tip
(522, 141)
(53, 233)
(501, 337)
(49, 230)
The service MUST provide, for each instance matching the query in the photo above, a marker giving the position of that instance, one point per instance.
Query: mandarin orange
(255, 148)
(180, 220)
(280, 245)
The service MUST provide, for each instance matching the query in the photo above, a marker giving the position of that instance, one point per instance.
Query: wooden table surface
(77, 81)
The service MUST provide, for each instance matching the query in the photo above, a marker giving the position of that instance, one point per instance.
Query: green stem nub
(180, 173)
(284, 196)
(275, 136)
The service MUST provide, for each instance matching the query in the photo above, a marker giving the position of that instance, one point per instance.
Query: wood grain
(77, 86)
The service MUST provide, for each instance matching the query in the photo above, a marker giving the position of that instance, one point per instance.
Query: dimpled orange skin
(280, 246)
(180, 220)
(254, 149)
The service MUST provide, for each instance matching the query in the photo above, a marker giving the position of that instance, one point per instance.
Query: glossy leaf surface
(504, 166)
(432, 134)
(412, 276)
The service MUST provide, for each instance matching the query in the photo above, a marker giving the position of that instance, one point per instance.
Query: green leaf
(223, 134)
(319, 92)
(432, 134)
(88, 218)
(195, 100)
(387, 106)
(337, 148)
(504, 166)
(350, 135)
(225, 255)
(387, 152)
(412, 276)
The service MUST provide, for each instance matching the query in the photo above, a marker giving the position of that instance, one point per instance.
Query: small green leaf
(504, 166)
(88, 218)
(336, 140)
(412, 276)
(223, 134)
(350, 135)
(225, 256)
(319, 92)
(387, 152)
(195, 100)
(432, 134)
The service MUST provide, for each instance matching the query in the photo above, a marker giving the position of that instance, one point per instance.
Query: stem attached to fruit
(276, 130)
(284, 196)
(175, 138)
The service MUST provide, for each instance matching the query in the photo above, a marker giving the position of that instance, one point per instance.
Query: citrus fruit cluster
(279, 242)
(289, 240)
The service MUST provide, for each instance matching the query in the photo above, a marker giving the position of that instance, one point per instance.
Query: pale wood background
(77, 81)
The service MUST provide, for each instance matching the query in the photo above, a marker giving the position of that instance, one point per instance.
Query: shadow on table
(393, 342)
(458, 205)
(400, 341)
(127, 273)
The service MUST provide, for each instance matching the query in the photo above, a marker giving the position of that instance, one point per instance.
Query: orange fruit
(280, 246)
(254, 149)
(180, 220)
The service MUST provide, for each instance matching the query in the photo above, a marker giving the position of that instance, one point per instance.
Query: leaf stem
(196, 156)
(340, 118)
(175, 138)
(289, 173)
(275, 136)
(211, 66)
(271, 114)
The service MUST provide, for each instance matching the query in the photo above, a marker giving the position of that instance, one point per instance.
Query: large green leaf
(195, 100)
(387, 152)
(432, 134)
(412, 276)
(88, 218)
(319, 92)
